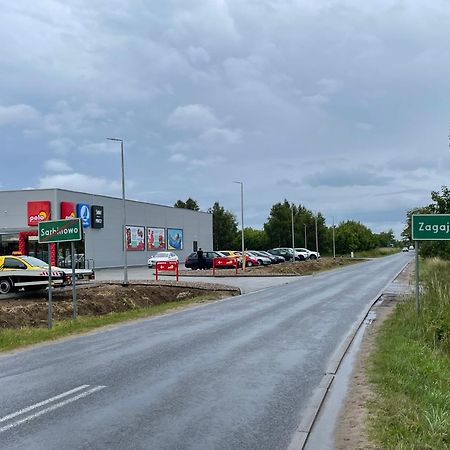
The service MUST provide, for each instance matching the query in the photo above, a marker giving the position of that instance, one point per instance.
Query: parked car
(281, 252)
(405, 249)
(298, 256)
(308, 253)
(162, 257)
(191, 261)
(274, 258)
(262, 259)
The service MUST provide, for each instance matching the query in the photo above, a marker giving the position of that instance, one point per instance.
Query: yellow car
(26, 272)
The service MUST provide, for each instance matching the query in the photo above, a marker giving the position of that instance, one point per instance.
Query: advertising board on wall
(174, 238)
(67, 210)
(84, 213)
(97, 216)
(135, 238)
(38, 211)
(156, 238)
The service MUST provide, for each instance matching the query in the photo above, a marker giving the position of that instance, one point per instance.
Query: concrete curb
(303, 431)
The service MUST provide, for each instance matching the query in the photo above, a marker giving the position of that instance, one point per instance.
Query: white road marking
(50, 408)
(45, 402)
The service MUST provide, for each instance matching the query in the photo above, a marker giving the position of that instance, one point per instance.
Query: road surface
(233, 374)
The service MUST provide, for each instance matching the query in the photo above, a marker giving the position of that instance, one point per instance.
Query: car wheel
(313, 257)
(5, 286)
(248, 263)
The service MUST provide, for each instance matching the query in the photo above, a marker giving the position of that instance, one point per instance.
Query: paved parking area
(247, 284)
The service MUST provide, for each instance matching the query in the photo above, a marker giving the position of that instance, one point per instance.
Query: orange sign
(38, 212)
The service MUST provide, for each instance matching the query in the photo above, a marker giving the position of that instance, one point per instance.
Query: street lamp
(242, 221)
(334, 242)
(293, 236)
(125, 262)
(317, 236)
(306, 243)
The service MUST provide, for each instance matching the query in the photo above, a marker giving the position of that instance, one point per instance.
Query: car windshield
(162, 255)
(32, 261)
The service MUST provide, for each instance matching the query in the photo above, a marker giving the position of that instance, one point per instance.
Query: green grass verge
(12, 338)
(411, 370)
(377, 252)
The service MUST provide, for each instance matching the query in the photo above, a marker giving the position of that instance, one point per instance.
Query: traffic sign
(60, 231)
(430, 227)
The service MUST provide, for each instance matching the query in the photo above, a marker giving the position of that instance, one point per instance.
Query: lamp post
(334, 243)
(306, 243)
(242, 222)
(317, 235)
(125, 262)
(293, 236)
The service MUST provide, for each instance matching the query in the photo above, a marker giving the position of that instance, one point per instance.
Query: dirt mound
(98, 300)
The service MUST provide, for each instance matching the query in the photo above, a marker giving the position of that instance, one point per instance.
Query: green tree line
(350, 236)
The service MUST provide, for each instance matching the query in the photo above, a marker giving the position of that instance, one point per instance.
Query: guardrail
(166, 266)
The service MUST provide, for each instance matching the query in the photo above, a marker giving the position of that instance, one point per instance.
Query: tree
(188, 204)
(278, 227)
(385, 238)
(225, 228)
(254, 239)
(352, 236)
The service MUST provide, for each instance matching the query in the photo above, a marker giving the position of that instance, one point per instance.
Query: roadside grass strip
(12, 338)
(410, 370)
(48, 409)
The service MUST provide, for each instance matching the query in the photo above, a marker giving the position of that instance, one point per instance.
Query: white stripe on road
(45, 402)
(50, 408)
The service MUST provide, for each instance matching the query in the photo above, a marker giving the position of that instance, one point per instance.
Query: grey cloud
(348, 177)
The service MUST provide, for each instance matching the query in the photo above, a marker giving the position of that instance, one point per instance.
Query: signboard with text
(38, 211)
(60, 231)
(430, 227)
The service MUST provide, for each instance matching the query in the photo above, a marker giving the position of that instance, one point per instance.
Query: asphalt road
(233, 374)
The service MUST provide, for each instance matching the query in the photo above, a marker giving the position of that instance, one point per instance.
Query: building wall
(105, 245)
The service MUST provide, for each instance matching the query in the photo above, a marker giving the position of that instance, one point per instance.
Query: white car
(308, 253)
(162, 257)
(262, 259)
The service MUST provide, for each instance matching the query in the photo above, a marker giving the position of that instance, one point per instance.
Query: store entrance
(64, 258)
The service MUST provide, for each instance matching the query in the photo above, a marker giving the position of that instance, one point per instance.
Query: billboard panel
(156, 238)
(135, 238)
(38, 212)
(174, 238)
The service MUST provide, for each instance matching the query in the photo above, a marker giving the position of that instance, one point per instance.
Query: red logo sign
(167, 265)
(67, 210)
(38, 212)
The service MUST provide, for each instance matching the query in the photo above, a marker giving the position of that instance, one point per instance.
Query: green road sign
(60, 231)
(430, 227)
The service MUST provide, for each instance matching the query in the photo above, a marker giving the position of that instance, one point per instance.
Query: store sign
(97, 216)
(38, 212)
(68, 210)
(84, 213)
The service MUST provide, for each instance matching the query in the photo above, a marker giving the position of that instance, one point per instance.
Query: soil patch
(99, 299)
(351, 430)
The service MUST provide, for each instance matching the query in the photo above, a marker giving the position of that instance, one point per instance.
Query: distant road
(233, 374)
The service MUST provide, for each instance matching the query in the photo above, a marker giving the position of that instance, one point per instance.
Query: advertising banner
(175, 238)
(135, 238)
(38, 212)
(84, 213)
(97, 216)
(156, 238)
(67, 210)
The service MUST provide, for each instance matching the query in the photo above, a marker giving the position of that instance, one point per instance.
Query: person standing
(200, 259)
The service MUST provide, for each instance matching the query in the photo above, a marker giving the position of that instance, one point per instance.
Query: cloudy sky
(340, 105)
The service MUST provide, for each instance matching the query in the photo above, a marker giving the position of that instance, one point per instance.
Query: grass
(411, 370)
(13, 338)
(377, 252)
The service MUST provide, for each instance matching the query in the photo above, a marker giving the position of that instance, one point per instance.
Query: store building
(150, 227)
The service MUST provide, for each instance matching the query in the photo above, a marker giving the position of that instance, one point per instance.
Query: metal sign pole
(49, 321)
(417, 277)
(74, 287)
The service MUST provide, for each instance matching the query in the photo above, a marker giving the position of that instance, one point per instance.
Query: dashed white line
(50, 408)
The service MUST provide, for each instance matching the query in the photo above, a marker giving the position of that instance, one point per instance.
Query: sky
(342, 106)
